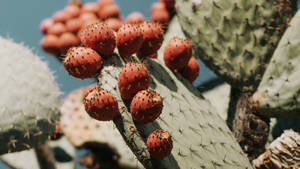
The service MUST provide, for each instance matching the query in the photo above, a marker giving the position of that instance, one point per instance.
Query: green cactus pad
(200, 136)
(236, 38)
(29, 102)
(278, 93)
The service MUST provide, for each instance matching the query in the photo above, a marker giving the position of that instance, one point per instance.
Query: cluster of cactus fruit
(237, 40)
(134, 79)
(62, 29)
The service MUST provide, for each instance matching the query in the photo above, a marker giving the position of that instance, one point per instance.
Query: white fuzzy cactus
(29, 102)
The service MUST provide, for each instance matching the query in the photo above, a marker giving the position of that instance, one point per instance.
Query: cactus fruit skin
(30, 104)
(161, 17)
(57, 29)
(100, 104)
(177, 53)
(103, 3)
(67, 40)
(191, 70)
(133, 78)
(153, 37)
(61, 16)
(159, 144)
(235, 39)
(74, 25)
(129, 39)
(146, 106)
(99, 37)
(278, 93)
(73, 10)
(82, 62)
(109, 11)
(46, 24)
(170, 4)
(114, 23)
(135, 18)
(50, 43)
(192, 116)
(90, 7)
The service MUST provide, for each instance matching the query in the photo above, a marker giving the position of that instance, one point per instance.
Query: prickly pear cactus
(278, 93)
(237, 38)
(29, 102)
(200, 136)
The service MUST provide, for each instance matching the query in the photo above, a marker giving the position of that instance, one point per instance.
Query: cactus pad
(237, 38)
(278, 93)
(29, 102)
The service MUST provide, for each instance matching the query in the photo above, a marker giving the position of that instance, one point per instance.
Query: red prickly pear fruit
(88, 22)
(100, 104)
(160, 13)
(50, 43)
(68, 40)
(153, 36)
(73, 10)
(161, 16)
(103, 3)
(154, 55)
(87, 89)
(133, 78)
(135, 18)
(99, 37)
(87, 16)
(158, 6)
(61, 16)
(146, 106)
(109, 11)
(82, 62)
(191, 70)
(170, 4)
(46, 24)
(57, 29)
(114, 23)
(159, 144)
(129, 39)
(90, 7)
(177, 53)
(74, 25)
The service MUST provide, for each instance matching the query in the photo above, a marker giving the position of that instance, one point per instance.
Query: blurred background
(20, 20)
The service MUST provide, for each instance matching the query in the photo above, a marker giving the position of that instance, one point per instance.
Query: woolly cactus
(29, 102)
